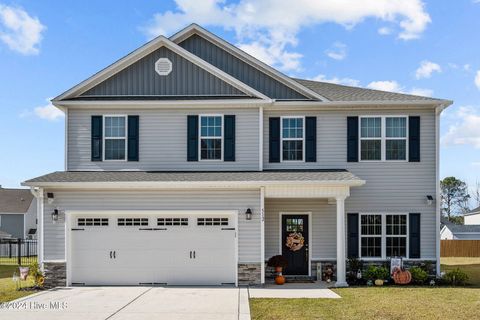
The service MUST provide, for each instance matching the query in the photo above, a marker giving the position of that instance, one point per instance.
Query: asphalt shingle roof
(15, 200)
(145, 176)
(337, 92)
(473, 211)
(459, 228)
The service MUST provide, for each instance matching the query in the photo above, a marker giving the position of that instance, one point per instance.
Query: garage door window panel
(212, 221)
(92, 222)
(132, 222)
(172, 221)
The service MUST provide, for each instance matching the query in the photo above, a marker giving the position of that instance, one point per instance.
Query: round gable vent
(163, 66)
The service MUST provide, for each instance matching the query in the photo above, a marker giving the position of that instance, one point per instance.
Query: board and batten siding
(396, 187)
(239, 69)
(322, 221)
(163, 140)
(141, 79)
(248, 231)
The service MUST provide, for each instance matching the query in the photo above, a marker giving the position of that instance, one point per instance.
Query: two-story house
(189, 161)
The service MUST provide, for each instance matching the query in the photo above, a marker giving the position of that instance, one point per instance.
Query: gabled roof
(464, 228)
(142, 52)
(337, 92)
(15, 200)
(196, 29)
(473, 211)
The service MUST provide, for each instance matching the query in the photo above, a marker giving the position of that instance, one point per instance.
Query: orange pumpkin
(402, 276)
(280, 279)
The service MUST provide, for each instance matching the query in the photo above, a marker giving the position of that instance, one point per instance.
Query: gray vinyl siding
(248, 234)
(397, 187)
(12, 224)
(323, 225)
(163, 140)
(141, 79)
(31, 218)
(239, 69)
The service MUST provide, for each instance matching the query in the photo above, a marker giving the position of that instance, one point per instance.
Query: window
(172, 221)
(383, 235)
(371, 236)
(211, 137)
(293, 138)
(82, 222)
(133, 221)
(115, 137)
(212, 221)
(294, 225)
(383, 138)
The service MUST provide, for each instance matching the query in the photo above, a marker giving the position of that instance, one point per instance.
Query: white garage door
(123, 249)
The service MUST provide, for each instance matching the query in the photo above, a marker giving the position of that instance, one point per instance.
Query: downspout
(38, 194)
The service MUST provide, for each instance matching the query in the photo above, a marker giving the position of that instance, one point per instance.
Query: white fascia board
(190, 184)
(254, 103)
(394, 104)
(254, 62)
(144, 51)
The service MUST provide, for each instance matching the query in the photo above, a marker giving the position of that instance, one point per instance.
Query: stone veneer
(249, 273)
(55, 274)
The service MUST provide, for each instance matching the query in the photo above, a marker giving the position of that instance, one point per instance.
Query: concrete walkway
(116, 303)
(293, 291)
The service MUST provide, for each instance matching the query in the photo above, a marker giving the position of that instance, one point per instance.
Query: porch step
(299, 279)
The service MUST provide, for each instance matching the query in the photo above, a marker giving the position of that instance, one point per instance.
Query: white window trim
(292, 139)
(383, 235)
(200, 137)
(383, 138)
(115, 138)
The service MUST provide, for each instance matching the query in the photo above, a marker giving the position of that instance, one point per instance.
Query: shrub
(456, 277)
(374, 273)
(419, 275)
(36, 274)
(277, 261)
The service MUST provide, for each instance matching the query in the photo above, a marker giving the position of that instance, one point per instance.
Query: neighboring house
(189, 161)
(472, 217)
(18, 214)
(452, 231)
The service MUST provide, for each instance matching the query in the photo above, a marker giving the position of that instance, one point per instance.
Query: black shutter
(97, 137)
(414, 139)
(352, 139)
(352, 238)
(274, 141)
(133, 138)
(192, 138)
(311, 139)
(229, 139)
(414, 235)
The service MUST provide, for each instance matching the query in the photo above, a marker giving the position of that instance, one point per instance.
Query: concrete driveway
(115, 303)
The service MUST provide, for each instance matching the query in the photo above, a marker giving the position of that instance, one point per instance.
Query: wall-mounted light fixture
(429, 200)
(248, 214)
(55, 216)
(50, 197)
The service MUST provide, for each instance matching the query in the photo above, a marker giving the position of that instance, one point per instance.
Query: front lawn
(376, 303)
(8, 291)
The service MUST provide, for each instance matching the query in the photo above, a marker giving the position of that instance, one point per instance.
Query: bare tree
(455, 197)
(476, 194)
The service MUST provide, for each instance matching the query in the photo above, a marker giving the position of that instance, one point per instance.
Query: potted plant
(279, 263)
(377, 274)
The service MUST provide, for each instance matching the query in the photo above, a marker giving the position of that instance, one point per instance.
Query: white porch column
(38, 194)
(262, 234)
(341, 269)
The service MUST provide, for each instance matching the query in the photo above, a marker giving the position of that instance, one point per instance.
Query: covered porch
(306, 224)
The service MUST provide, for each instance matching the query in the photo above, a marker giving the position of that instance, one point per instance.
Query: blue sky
(428, 47)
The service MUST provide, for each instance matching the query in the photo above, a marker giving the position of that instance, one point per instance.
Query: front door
(295, 243)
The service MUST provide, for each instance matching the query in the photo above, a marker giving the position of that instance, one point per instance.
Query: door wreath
(295, 241)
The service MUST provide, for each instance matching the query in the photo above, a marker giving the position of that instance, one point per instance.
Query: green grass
(8, 290)
(376, 303)
(469, 265)
(384, 302)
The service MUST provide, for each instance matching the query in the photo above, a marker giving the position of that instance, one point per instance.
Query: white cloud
(426, 69)
(20, 31)
(385, 31)
(336, 80)
(338, 51)
(386, 85)
(47, 112)
(465, 130)
(477, 79)
(421, 92)
(467, 66)
(270, 27)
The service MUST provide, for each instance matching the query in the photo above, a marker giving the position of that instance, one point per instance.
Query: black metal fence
(18, 251)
